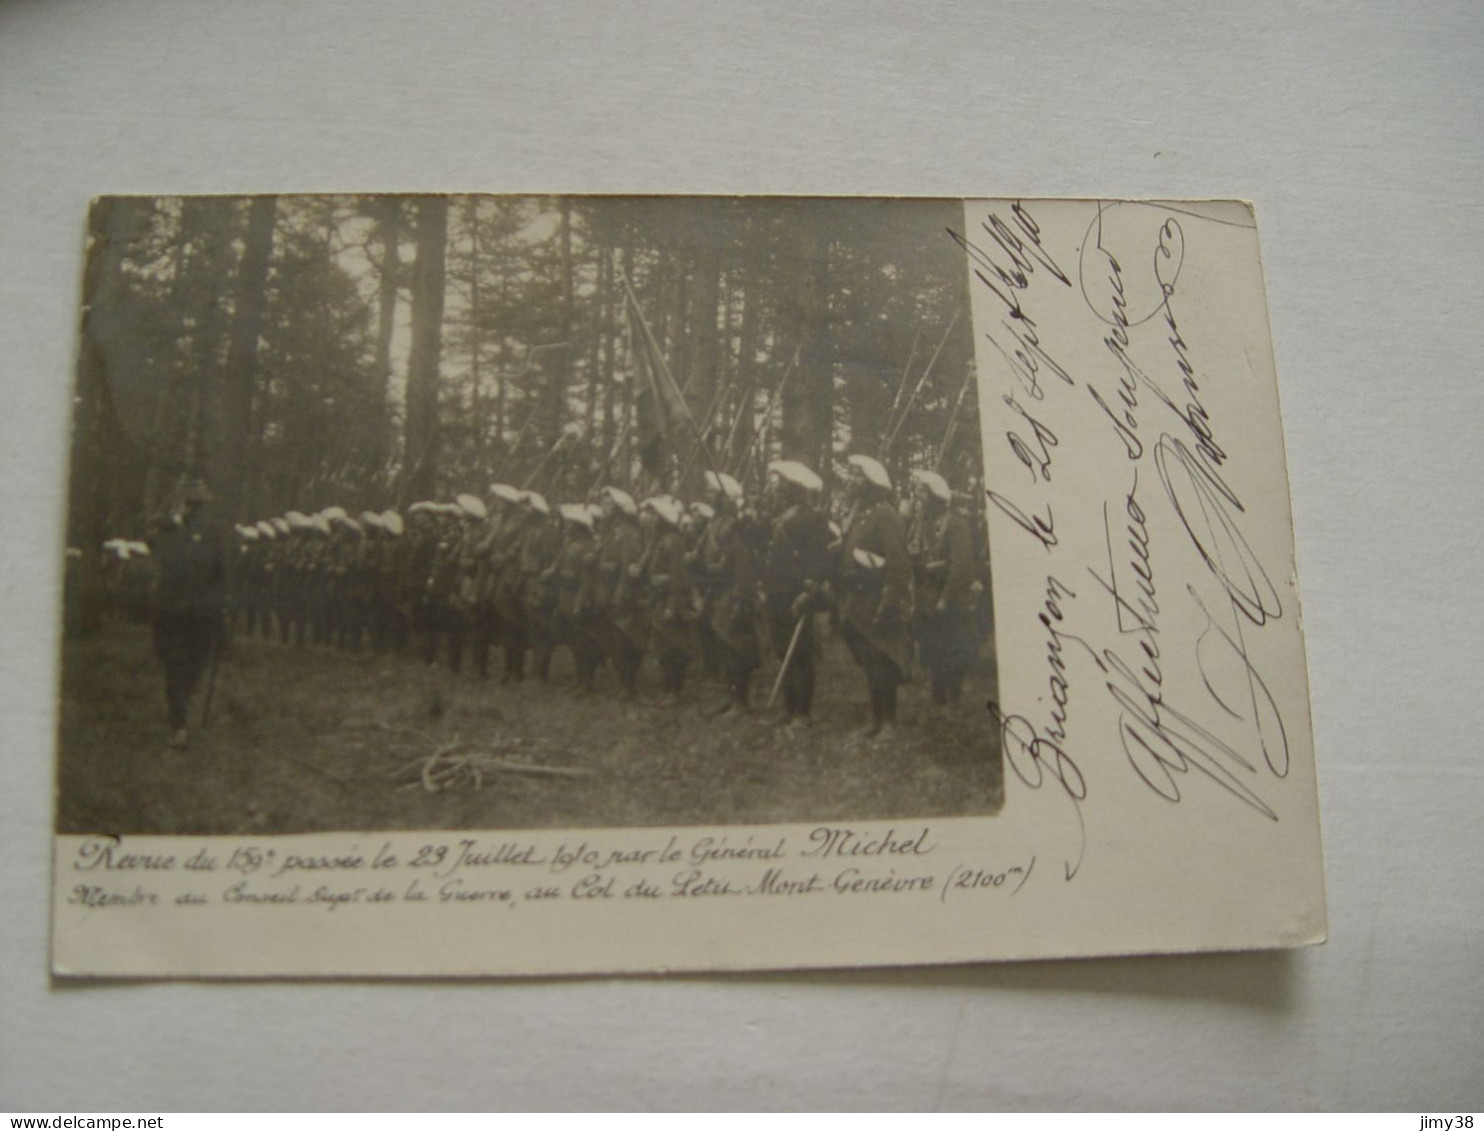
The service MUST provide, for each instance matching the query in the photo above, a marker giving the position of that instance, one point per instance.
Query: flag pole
(657, 360)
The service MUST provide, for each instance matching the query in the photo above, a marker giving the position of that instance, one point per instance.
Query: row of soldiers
(715, 582)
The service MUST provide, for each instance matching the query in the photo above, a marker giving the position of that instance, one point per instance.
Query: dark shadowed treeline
(370, 351)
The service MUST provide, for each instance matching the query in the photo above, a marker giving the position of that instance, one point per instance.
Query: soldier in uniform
(729, 559)
(241, 580)
(949, 593)
(672, 609)
(299, 576)
(876, 592)
(618, 610)
(795, 569)
(316, 579)
(188, 602)
(493, 555)
(532, 604)
(700, 515)
(503, 588)
(441, 581)
(414, 578)
(377, 551)
(463, 604)
(336, 570)
(572, 576)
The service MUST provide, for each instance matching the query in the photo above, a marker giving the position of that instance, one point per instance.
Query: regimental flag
(660, 406)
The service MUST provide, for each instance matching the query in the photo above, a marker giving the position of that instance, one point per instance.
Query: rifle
(793, 645)
(902, 385)
(705, 431)
(746, 464)
(953, 419)
(907, 410)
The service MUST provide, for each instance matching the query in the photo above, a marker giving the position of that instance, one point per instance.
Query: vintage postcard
(513, 585)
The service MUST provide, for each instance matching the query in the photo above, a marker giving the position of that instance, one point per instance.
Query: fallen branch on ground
(450, 764)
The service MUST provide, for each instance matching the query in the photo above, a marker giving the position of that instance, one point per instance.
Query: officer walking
(188, 602)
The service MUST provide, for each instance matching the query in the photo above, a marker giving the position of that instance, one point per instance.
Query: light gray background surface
(1356, 129)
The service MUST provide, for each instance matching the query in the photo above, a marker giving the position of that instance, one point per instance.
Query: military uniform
(729, 556)
(538, 553)
(188, 605)
(620, 622)
(575, 579)
(795, 568)
(672, 610)
(948, 608)
(876, 604)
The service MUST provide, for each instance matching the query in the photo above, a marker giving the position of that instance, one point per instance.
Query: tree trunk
(423, 437)
(389, 232)
(610, 347)
(230, 396)
(556, 391)
(808, 400)
(104, 285)
(480, 426)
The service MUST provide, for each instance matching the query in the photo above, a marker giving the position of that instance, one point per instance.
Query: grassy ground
(308, 739)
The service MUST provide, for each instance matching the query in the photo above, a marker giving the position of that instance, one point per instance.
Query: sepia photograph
(484, 512)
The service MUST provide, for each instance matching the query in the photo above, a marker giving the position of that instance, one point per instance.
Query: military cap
(392, 521)
(621, 499)
(267, 529)
(934, 483)
(795, 472)
(473, 506)
(505, 492)
(873, 470)
(578, 513)
(724, 483)
(538, 502)
(666, 507)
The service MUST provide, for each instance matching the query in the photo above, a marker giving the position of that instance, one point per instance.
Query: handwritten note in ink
(1153, 697)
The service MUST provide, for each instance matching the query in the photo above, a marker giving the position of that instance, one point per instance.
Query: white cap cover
(666, 507)
(473, 506)
(873, 470)
(725, 484)
(795, 472)
(576, 512)
(935, 483)
(621, 499)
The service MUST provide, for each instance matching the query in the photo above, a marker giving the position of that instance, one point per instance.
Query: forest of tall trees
(299, 351)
